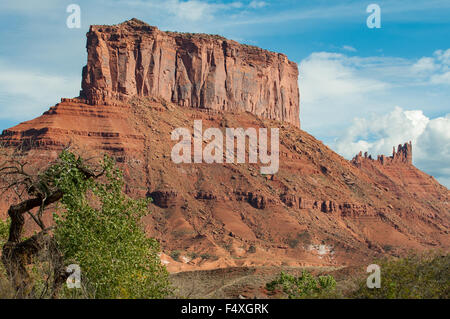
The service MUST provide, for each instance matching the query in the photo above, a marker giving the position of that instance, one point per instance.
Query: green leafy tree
(99, 229)
(416, 276)
(96, 226)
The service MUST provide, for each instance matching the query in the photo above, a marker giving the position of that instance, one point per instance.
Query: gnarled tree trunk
(17, 254)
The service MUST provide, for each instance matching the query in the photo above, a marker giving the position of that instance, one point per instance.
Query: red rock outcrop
(101, 127)
(403, 155)
(325, 206)
(197, 70)
(164, 198)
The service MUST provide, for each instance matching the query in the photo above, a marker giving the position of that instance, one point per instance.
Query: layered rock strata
(196, 70)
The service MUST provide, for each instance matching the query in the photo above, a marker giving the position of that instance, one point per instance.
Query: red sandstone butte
(196, 70)
(318, 210)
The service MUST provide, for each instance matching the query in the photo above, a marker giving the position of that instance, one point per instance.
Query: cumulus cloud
(443, 57)
(335, 88)
(326, 76)
(424, 65)
(378, 133)
(433, 147)
(434, 69)
(348, 102)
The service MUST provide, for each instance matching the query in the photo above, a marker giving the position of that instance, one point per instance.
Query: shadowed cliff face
(196, 70)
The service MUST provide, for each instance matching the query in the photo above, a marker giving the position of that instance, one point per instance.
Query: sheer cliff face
(196, 70)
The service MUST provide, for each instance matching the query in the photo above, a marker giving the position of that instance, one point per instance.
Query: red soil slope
(319, 209)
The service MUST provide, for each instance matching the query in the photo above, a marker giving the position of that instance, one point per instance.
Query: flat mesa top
(137, 27)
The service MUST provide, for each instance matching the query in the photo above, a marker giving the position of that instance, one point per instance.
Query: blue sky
(361, 89)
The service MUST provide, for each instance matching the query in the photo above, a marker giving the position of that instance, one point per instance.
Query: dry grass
(235, 282)
(6, 291)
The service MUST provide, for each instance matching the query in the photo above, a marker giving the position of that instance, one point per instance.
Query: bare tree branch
(40, 191)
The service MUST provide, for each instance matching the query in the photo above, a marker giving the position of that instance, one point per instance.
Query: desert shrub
(175, 254)
(99, 228)
(228, 245)
(293, 242)
(207, 256)
(193, 255)
(304, 286)
(303, 237)
(416, 276)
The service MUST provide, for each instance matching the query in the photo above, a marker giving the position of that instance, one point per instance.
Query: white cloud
(26, 93)
(348, 102)
(191, 10)
(443, 78)
(378, 134)
(185, 11)
(195, 10)
(349, 48)
(424, 65)
(257, 4)
(433, 146)
(326, 76)
(434, 69)
(443, 57)
(335, 88)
